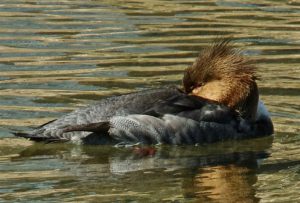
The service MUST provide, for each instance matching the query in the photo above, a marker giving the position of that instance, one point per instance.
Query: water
(58, 55)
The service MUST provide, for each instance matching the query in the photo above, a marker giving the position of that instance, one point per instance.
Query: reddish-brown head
(222, 74)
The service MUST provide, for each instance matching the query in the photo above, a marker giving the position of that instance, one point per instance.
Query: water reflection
(224, 172)
(56, 56)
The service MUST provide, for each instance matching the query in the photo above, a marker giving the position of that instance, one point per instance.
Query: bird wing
(179, 119)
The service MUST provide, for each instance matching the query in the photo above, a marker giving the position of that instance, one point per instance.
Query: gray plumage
(160, 116)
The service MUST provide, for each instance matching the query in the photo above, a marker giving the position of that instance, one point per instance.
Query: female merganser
(219, 101)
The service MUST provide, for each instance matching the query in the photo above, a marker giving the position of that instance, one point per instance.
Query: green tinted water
(58, 55)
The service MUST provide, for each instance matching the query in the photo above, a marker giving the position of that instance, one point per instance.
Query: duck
(218, 100)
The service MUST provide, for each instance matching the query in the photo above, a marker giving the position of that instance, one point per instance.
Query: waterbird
(218, 100)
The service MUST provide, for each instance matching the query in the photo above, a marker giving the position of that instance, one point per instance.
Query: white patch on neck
(262, 111)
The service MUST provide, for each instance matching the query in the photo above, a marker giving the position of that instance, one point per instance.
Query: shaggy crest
(230, 73)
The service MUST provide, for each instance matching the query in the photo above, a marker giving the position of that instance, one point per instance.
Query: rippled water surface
(58, 55)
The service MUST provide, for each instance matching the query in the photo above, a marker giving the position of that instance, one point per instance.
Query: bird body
(218, 101)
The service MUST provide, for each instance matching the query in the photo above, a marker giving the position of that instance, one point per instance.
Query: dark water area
(56, 56)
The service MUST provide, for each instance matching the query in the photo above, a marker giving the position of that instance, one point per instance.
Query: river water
(56, 56)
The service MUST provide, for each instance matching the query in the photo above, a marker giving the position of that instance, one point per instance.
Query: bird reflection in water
(224, 183)
(223, 172)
